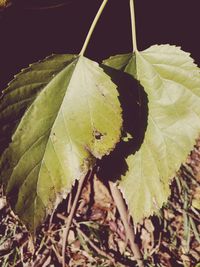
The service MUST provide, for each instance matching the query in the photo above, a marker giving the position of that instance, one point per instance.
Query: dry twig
(119, 201)
(71, 215)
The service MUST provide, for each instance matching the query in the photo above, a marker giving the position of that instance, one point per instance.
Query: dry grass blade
(98, 250)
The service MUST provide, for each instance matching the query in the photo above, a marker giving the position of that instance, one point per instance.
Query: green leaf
(172, 83)
(71, 115)
(23, 90)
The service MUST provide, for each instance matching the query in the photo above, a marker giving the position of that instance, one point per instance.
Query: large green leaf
(172, 83)
(71, 115)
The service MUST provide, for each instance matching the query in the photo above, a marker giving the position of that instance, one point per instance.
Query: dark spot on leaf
(98, 136)
(100, 90)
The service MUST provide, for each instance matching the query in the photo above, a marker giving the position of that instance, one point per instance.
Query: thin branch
(119, 201)
(58, 256)
(71, 215)
(97, 249)
(69, 203)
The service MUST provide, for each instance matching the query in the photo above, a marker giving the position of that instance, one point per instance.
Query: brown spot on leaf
(98, 135)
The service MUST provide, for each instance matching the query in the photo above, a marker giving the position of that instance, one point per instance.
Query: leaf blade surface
(73, 119)
(172, 82)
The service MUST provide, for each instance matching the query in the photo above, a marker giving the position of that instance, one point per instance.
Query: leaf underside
(57, 116)
(172, 83)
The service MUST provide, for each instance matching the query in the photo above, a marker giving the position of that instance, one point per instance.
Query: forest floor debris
(97, 236)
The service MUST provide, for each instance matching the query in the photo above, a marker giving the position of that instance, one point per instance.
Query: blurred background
(33, 29)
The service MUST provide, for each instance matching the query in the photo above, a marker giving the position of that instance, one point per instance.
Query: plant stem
(71, 215)
(119, 201)
(92, 27)
(133, 26)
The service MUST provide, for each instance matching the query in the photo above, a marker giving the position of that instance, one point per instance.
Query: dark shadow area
(134, 105)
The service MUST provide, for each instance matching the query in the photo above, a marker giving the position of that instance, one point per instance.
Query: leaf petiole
(133, 26)
(92, 27)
